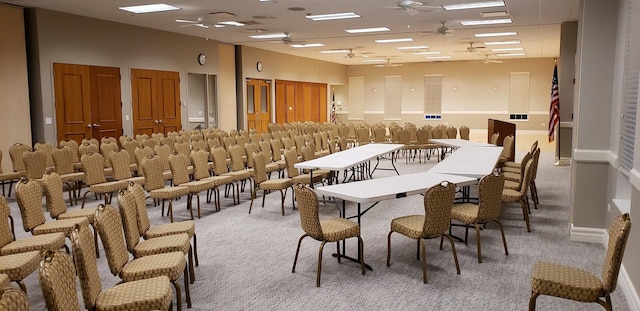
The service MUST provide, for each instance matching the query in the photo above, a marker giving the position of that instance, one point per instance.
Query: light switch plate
(48, 120)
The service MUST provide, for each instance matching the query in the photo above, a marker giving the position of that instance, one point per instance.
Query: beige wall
(14, 87)
(226, 87)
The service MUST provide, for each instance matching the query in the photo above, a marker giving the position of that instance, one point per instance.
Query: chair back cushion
(219, 160)
(182, 147)
(120, 161)
(93, 166)
(54, 194)
(163, 151)
(250, 148)
(259, 167)
(88, 147)
(141, 206)
(109, 227)
(308, 207)
(84, 254)
(236, 157)
(73, 145)
(141, 153)
(46, 148)
(130, 145)
(105, 148)
(58, 281)
(200, 162)
(618, 235)
(35, 162)
(507, 145)
(490, 196)
(291, 158)
(15, 153)
(178, 164)
(63, 159)
(438, 202)
(128, 214)
(6, 236)
(29, 197)
(152, 168)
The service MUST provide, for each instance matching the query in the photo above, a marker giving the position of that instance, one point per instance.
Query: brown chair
(163, 151)
(149, 294)
(408, 148)
(121, 165)
(93, 166)
(291, 158)
(262, 183)
(58, 209)
(152, 168)
(87, 147)
(487, 210)
(129, 144)
(494, 138)
(567, 282)
(515, 166)
(328, 230)
(170, 265)
(438, 202)
(65, 167)
(105, 149)
(8, 177)
(142, 152)
(13, 299)
(19, 266)
(520, 195)
(464, 132)
(180, 177)
(35, 161)
(15, 153)
(507, 149)
(199, 161)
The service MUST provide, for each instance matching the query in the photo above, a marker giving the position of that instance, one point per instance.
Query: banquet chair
(93, 166)
(464, 132)
(35, 161)
(452, 132)
(63, 159)
(438, 203)
(507, 149)
(567, 282)
(46, 148)
(487, 210)
(515, 166)
(362, 136)
(200, 163)
(8, 177)
(328, 230)
(180, 177)
(271, 164)
(129, 144)
(58, 209)
(494, 138)
(87, 147)
(15, 153)
(307, 155)
(238, 170)
(138, 247)
(170, 265)
(105, 149)
(147, 142)
(291, 158)
(520, 195)
(408, 148)
(73, 145)
(120, 163)
(13, 299)
(155, 185)
(379, 134)
(140, 153)
(163, 151)
(18, 266)
(148, 294)
(514, 179)
(111, 139)
(262, 183)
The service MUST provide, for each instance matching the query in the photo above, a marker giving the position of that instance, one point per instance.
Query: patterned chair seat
(466, 213)
(510, 195)
(169, 264)
(187, 226)
(557, 280)
(409, 226)
(512, 176)
(72, 177)
(513, 185)
(163, 244)
(168, 193)
(149, 294)
(51, 242)
(511, 169)
(338, 229)
(198, 185)
(63, 225)
(109, 187)
(19, 266)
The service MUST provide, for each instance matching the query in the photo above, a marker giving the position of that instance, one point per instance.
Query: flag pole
(558, 144)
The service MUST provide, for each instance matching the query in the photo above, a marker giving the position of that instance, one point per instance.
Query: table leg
(344, 253)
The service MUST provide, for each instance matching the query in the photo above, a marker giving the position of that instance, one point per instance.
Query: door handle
(156, 121)
(89, 125)
(161, 121)
(96, 125)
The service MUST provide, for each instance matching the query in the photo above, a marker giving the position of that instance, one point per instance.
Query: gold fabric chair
(154, 184)
(93, 166)
(507, 145)
(15, 153)
(180, 177)
(514, 178)
(178, 242)
(8, 177)
(35, 161)
(105, 149)
(170, 265)
(291, 158)
(201, 172)
(129, 144)
(19, 266)
(438, 203)
(520, 195)
(142, 152)
(149, 294)
(262, 183)
(13, 299)
(408, 148)
(508, 166)
(328, 230)
(65, 167)
(9, 245)
(121, 165)
(58, 209)
(87, 147)
(464, 132)
(494, 138)
(567, 282)
(163, 151)
(487, 210)
(46, 148)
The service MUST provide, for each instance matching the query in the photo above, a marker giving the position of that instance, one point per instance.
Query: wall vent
(519, 117)
(432, 116)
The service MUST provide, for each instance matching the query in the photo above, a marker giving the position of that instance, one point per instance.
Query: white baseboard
(601, 236)
(591, 235)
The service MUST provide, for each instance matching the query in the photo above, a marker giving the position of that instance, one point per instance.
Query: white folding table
(458, 143)
(475, 162)
(350, 158)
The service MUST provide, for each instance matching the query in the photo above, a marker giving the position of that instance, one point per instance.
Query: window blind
(392, 97)
(433, 94)
(630, 89)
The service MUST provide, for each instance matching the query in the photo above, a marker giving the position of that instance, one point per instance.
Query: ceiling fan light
(438, 57)
(427, 53)
(510, 54)
(373, 60)
(307, 45)
(334, 51)
(501, 42)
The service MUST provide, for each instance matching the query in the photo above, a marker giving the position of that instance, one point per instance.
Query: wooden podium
(505, 129)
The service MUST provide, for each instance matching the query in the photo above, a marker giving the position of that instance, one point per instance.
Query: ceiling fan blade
(186, 21)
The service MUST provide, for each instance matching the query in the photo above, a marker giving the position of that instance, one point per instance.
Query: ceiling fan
(415, 7)
(471, 48)
(199, 22)
(388, 63)
(287, 40)
(442, 30)
(488, 60)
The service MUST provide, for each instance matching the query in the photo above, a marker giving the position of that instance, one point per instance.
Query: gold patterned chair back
(15, 153)
(141, 153)
(13, 299)
(259, 167)
(309, 212)
(452, 132)
(438, 202)
(128, 215)
(236, 153)
(84, 255)
(35, 161)
(618, 235)
(47, 149)
(73, 145)
(199, 144)
(219, 156)
(178, 164)
(29, 197)
(157, 137)
(92, 141)
(130, 145)
(163, 152)
(422, 135)
(57, 276)
(105, 148)
(152, 167)
(109, 138)
(148, 142)
(276, 149)
(54, 194)
(120, 163)
(182, 148)
(6, 236)
(464, 132)
(494, 138)
(507, 146)
(93, 167)
(291, 158)
(109, 227)
(490, 196)
(141, 206)
(200, 162)
(250, 148)
(403, 136)
(63, 159)
(88, 147)
(169, 141)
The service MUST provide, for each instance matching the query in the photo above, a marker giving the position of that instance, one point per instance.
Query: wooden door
(156, 101)
(88, 101)
(106, 105)
(72, 101)
(258, 105)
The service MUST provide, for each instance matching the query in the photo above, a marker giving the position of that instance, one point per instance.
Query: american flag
(554, 107)
(334, 117)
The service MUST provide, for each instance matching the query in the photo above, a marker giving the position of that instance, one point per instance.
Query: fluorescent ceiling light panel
(438, 57)
(473, 5)
(426, 53)
(494, 14)
(495, 34)
(232, 23)
(374, 61)
(334, 51)
(269, 36)
(417, 47)
(327, 17)
(308, 45)
(502, 42)
(510, 54)
(395, 40)
(506, 49)
(364, 30)
(486, 22)
(149, 8)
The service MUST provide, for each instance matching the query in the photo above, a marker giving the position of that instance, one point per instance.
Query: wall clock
(259, 66)
(202, 59)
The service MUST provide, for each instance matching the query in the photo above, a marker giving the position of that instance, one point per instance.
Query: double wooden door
(258, 105)
(300, 101)
(156, 101)
(87, 101)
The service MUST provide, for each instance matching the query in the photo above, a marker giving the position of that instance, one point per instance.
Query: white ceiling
(537, 23)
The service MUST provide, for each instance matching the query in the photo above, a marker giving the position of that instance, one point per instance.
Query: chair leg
(253, 196)
(22, 286)
(338, 251)
(423, 252)
(195, 249)
(95, 240)
(361, 255)
(192, 272)
(283, 196)
(197, 198)
(532, 301)
(455, 254)
(187, 293)
(178, 294)
(478, 243)
(170, 210)
(320, 263)
(525, 212)
(504, 240)
(295, 260)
